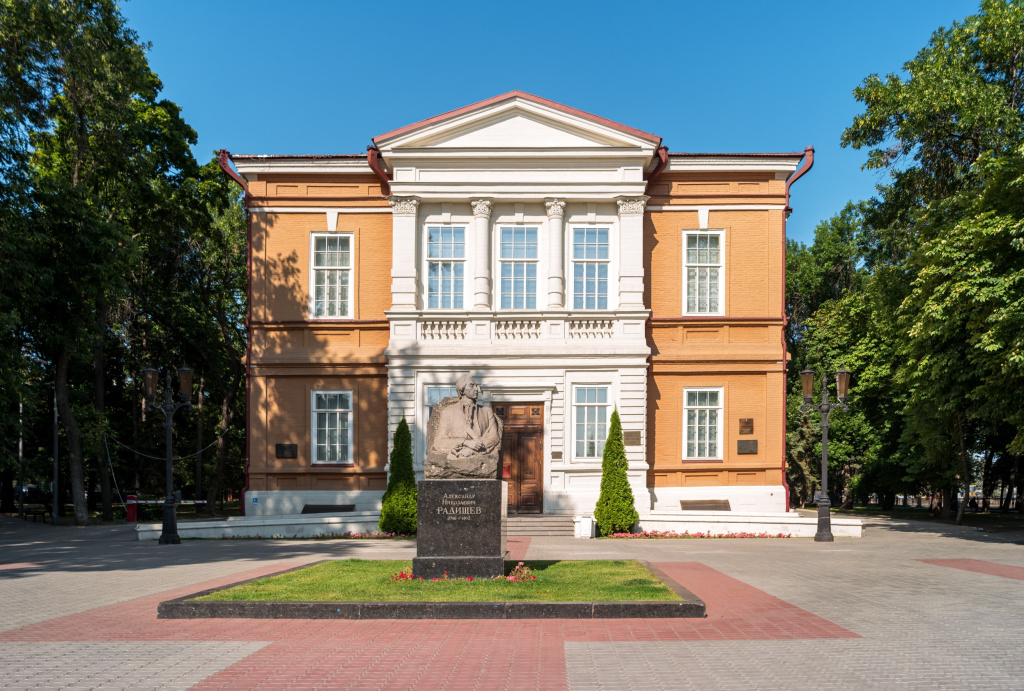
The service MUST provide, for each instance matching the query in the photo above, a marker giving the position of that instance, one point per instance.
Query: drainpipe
(222, 159)
(805, 166)
(373, 160)
(662, 163)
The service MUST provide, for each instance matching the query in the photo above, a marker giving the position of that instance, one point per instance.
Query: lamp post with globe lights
(171, 405)
(824, 533)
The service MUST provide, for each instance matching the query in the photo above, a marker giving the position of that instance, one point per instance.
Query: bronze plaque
(287, 450)
(556, 455)
(746, 425)
(746, 446)
(631, 437)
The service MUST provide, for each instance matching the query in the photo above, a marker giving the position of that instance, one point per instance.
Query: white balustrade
(443, 330)
(591, 329)
(517, 329)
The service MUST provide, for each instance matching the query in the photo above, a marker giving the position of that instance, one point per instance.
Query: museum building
(571, 264)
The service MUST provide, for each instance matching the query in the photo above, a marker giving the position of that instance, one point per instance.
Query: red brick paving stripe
(21, 565)
(517, 547)
(432, 654)
(980, 566)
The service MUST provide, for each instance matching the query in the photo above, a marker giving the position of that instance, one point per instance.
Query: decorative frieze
(404, 206)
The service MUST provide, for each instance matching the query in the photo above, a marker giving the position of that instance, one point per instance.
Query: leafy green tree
(616, 509)
(398, 510)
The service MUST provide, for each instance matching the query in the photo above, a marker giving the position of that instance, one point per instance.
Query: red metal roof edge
(529, 97)
(254, 157)
(678, 154)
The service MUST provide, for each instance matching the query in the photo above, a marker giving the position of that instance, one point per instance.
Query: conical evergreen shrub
(616, 510)
(398, 511)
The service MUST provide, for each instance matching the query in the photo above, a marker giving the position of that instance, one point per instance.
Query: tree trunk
(199, 445)
(73, 435)
(947, 503)
(227, 416)
(965, 468)
(986, 482)
(7, 504)
(102, 463)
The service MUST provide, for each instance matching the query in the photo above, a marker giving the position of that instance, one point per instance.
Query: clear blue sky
(303, 77)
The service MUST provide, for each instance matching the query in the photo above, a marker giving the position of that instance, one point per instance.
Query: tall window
(702, 412)
(332, 426)
(332, 269)
(590, 268)
(436, 394)
(703, 259)
(446, 254)
(590, 404)
(519, 268)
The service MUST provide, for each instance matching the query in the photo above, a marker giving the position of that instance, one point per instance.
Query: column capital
(403, 206)
(556, 208)
(632, 205)
(481, 207)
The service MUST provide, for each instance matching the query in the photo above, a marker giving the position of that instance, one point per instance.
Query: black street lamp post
(169, 407)
(824, 533)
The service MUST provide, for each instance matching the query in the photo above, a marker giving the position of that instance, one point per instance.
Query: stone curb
(186, 608)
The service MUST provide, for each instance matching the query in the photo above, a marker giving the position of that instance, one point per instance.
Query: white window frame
(351, 427)
(720, 390)
(351, 275)
(607, 405)
(721, 272)
(607, 262)
(463, 260)
(427, 407)
(536, 261)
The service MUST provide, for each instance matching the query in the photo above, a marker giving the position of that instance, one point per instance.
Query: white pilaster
(403, 252)
(556, 253)
(631, 252)
(482, 242)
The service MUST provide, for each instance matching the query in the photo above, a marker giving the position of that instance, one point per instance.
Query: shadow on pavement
(37, 548)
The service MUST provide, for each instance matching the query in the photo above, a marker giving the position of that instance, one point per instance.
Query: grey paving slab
(120, 665)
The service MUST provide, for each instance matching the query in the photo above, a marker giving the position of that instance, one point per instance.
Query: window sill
(328, 464)
(703, 460)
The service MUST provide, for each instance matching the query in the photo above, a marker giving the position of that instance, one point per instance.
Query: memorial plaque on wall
(631, 437)
(746, 425)
(746, 446)
(287, 450)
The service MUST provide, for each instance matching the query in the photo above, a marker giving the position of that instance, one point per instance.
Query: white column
(482, 242)
(631, 252)
(403, 252)
(556, 253)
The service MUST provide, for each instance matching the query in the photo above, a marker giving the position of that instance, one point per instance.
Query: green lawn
(356, 580)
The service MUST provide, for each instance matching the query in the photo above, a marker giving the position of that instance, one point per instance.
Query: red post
(132, 508)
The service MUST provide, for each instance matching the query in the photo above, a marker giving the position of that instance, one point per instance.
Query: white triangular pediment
(514, 124)
(513, 130)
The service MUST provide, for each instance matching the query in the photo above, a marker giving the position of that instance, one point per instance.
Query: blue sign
(255, 500)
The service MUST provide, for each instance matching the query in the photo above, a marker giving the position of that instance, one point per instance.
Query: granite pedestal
(461, 528)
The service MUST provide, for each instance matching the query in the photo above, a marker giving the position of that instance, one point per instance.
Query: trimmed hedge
(398, 511)
(616, 509)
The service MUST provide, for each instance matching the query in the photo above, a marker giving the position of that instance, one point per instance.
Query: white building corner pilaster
(631, 251)
(403, 252)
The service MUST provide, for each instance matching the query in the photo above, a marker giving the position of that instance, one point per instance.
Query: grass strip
(357, 580)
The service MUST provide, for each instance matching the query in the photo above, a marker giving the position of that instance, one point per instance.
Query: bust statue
(463, 438)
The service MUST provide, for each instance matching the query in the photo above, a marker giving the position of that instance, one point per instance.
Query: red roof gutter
(373, 160)
(222, 158)
(805, 166)
(662, 163)
(808, 163)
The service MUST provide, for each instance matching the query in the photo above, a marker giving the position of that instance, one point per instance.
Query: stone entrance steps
(539, 525)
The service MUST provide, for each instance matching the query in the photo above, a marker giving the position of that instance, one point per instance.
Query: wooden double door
(522, 455)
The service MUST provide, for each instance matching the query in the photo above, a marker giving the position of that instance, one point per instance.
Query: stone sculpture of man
(463, 438)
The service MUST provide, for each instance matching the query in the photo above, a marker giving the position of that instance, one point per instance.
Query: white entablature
(517, 146)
